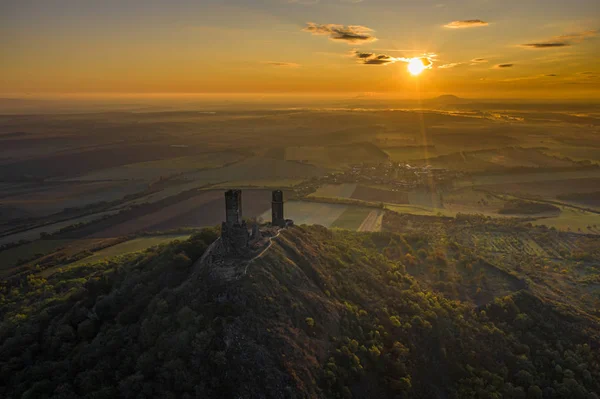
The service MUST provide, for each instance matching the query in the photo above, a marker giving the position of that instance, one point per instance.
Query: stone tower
(234, 231)
(277, 218)
(233, 207)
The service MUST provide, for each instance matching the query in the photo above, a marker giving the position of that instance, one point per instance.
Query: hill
(332, 314)
(447, 99)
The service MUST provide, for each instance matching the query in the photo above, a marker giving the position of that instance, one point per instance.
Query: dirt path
(261, 252)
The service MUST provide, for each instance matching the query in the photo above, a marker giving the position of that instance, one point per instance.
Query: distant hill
(323, 314)
(447, 99)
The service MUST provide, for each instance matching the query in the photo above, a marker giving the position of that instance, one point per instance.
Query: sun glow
(416, 66)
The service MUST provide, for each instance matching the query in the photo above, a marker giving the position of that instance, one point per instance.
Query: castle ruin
(236, 238)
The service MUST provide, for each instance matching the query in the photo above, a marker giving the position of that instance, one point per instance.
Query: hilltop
(323, 313)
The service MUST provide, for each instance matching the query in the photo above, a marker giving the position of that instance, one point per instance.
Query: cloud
(467, 23)
(374, 59)
(282, 64)
(546, 45)
(562, 40)
(351, 34)
(479, 60)
(369, 58)
(504, 66)
(551, 75)
(450, 65)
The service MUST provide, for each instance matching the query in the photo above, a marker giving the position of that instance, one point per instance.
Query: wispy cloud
(282, 64)
(562, 40)
(504, 66)
(479, 60)
(467, 23)
(450, 65)
(351, 34)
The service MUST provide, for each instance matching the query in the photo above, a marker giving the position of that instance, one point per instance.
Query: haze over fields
(439, 234)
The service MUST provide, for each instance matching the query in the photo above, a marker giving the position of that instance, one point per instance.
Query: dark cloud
(374, 59)
(562, 40)
(551, 75)
(545, 45)
(363, 55)
(351, 34)
(479, 60)
(505, 65)
(468, 23)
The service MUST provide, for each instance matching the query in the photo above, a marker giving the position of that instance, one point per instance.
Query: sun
(416, 66)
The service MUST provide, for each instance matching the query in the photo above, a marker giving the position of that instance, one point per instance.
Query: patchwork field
(352, 218)
(363, 193)
(256, 169)
(35, 233)
(334, 156)
(151, 170)
(504, 178)
(497, 159)
(48, 198)
(335, 190)
(549, 189)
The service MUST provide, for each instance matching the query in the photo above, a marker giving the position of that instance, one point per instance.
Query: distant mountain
(448, 99)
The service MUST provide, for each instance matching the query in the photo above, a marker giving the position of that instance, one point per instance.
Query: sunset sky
(478, 48)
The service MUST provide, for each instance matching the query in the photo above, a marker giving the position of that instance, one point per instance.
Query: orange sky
(473, 48)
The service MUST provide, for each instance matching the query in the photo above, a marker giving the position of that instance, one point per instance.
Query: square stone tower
(233, 207)
(277, 218)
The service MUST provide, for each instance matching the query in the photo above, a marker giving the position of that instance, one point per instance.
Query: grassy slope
(323, 314)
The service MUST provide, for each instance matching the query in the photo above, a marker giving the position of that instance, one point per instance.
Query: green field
(352, 218)
(135, 245)
(335, 191)
(302, 212)
(573, 220)
(10, 257)
(418, 210)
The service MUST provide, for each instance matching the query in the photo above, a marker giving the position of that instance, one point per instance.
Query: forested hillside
(332, 314)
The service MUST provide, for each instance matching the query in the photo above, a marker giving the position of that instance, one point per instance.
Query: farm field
(151, 170)
(352, 218)
(135, 245)
(573, 220)
(303, 212)
(9, 257)
(33, 234)
(509, 178)
(256, 169)
(362, 192)
(335, 190)
(335, 156)
(409, 153)
(548, 189)
(40, 250)
(45, 199)
(420, 210)
(373, 221)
